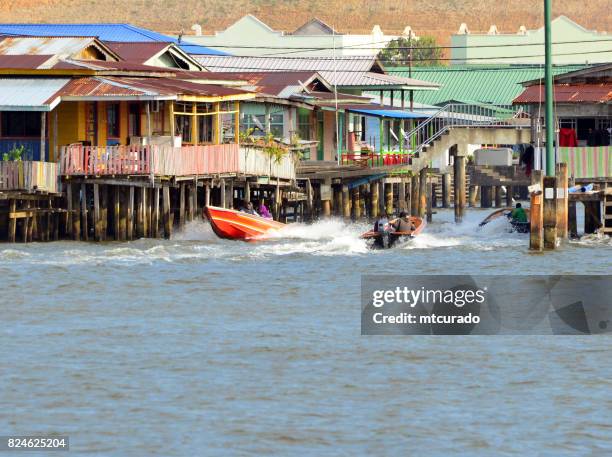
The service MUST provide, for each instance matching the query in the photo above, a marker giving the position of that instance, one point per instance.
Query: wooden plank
(423, 195)
(550, 212)
(536, 235)
(68, 219)
(562, 200)
(140, 213)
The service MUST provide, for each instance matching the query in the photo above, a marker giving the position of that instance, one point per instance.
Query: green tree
(425, 52)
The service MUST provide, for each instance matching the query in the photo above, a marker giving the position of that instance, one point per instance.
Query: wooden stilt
(166, 213)
(84, 212)
(498, 196)
(429, 202)
(182, 206)
(140, 212)
(96, 205)
(423, 192)
(472, 196)
(389, 198)
(356, 203)
(117, 212)
(12, 228)
(346, 202)
(68, 218)
(130, 214)
(592, 216)
(572, 222)
(433, 194)
(196, 214)
(414, 195)
(446, 190)
(76, 216)
(536, 215)
(247, 190)
(104, 199)
(550, 212)
(155, 215)
(223, 198)
(401, 195)
(375, 200)
(146, 212)
(509, 195)
(207, 194)
(230, 195)
(486, 196)
(562, 200)
(459, 188)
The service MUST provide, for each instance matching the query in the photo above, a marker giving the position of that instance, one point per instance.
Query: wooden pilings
(562, 200)
(346, 202)
(498, 196)
(550, 212)
(375, 199)
(414, 195)
(446, 190)
(486, 196)
(423, 196)
(536, 236)
(389, 197)
(459, 169)
(472, 194)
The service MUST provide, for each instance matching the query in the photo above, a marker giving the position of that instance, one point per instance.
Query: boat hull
(387, 239)
(236, 225)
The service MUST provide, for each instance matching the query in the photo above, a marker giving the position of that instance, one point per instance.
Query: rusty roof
(24, 62)
(181, 87)
(568, 93)
(137, 52)
(100, 87)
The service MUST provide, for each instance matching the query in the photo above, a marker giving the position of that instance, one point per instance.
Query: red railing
(143, 160)
(376, 159)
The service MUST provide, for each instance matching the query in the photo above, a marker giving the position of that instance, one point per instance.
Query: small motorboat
(519, 227)
(387, 238)
(237, 225)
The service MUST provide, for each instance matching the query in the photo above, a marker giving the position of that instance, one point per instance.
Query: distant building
(250, 36)
(575, 45)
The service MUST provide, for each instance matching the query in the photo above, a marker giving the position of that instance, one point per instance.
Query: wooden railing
(587, 161)
(376, 159)
(254, 161)
(29, 176)
(204, 160)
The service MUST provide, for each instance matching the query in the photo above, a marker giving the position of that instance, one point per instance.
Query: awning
(394, 114)
(30, 94)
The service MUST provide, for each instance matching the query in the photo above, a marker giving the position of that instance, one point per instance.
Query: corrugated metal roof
(568, 93)
(480, 83)
(105, 32)
(354, 71)
(30, 94)
(24, 62)
(138, 52)
(100, 87)
(43, 45)
(395, 114)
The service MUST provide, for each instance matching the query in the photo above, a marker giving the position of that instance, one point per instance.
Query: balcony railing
(77, 160)
(376, 159)
(29, 176)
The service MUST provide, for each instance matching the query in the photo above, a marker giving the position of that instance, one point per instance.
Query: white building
(251, 37)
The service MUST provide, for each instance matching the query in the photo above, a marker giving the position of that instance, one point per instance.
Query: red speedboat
(236, 225)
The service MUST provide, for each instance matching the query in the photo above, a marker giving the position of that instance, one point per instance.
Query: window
(20, 124)
(205, 129)
(112, 120)
(227, 127)
(276, 125)
(304, 130)
(134, 120)
(183, 127)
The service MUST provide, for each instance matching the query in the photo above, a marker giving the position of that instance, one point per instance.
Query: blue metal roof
(105, 32)
(396, 114)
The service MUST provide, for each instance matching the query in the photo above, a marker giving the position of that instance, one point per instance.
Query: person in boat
(247, 207)
(518, 214)
(381, 222)
(403, 223)
(263, 210)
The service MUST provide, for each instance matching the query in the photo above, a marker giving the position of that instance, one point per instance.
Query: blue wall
(32, 148)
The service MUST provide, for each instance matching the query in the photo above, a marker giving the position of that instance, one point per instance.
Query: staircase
(459, 124)
(482, 175)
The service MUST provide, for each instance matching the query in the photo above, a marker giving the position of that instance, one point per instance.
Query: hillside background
(439, 18)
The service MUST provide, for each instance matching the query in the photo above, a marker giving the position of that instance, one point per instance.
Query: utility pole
(548, 77)
(410, 68)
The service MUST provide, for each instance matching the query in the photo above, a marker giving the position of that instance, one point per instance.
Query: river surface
(200, 346)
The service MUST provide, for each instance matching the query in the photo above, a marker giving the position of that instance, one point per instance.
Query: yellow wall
(70, 125)
(101, 124)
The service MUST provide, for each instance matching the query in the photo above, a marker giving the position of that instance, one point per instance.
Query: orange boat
(387, 238)
(236, 225)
